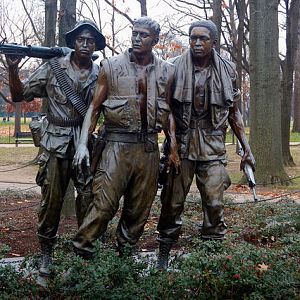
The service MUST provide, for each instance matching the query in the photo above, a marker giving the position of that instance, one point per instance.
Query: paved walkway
(29, 183)
(14, 145)
(31, 145)
(14, 262)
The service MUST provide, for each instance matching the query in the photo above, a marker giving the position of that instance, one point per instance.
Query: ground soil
(18, 210)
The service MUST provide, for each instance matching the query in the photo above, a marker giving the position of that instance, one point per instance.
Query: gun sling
(63, 81)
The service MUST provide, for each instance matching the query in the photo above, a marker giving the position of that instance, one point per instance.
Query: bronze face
(142, 39)
(85, 44)
(201, 43)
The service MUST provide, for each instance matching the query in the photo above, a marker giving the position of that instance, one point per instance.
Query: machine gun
(249, 174)
(35, 51)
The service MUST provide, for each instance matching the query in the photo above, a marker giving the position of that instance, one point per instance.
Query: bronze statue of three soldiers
(191, 98)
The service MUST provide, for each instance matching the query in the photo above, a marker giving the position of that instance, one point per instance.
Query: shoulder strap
(63, 81)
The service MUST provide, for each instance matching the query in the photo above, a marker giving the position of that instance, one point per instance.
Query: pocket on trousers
(226, 179)
(42, 172)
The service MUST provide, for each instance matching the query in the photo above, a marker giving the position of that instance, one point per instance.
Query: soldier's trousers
(54, 176)
(125, 169)
(212, 180)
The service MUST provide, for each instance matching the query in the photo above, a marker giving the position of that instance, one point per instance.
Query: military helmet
(70, 36)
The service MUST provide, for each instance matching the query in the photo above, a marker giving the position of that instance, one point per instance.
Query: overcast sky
(157, 9)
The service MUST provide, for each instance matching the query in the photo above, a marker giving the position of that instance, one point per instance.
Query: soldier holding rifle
(203, 103)
(68, 85)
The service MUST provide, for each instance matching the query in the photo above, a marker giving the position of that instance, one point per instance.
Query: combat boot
(46, 260)
(163, 256)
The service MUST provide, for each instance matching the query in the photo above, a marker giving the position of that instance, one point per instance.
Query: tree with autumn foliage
(168, 46)
(26, 107)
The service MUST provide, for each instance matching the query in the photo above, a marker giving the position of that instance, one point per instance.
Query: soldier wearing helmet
(61, 128)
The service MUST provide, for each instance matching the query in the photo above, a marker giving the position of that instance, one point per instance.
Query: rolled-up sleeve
(35, 86)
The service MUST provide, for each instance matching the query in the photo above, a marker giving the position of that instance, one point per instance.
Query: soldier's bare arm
(91, 118)
(15, 85)
(170, 132)
(237, 126)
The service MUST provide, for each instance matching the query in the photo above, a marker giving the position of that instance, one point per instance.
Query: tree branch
(31, 21)
(118, 11)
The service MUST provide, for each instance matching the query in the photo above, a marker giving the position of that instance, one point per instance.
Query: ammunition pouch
(35, 127)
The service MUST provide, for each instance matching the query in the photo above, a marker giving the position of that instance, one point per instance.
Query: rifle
(96, 145)
(248, 173)
(13, 49)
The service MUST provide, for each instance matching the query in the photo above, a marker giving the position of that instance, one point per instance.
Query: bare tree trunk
(67, 19)
(18, 112)
(292, 17)
(241, 9)
(143, 7)
(245, 99)
(296, 124)
(50, 33)
(217, 18)
(286, 98)
(113, 31)
(50, 22)
(233, 31)
(265, 100)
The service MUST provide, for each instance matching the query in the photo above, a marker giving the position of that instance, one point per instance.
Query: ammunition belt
(64, 122)
(63, 81)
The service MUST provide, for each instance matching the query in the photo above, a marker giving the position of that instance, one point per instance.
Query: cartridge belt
(64, 122)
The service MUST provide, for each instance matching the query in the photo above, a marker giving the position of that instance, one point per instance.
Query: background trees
(45, 22)
(291, 13)
(265, 98)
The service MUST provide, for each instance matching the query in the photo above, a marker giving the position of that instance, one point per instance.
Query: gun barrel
(250, 176)
(33, 51)
(255, 198)
(36, 51)
(45, 52)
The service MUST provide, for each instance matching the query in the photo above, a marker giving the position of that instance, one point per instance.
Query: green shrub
(4, 249)
(238, 268)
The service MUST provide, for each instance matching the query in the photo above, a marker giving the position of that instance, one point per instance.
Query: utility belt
(64, 122)
(149, 139)
(200, 123)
